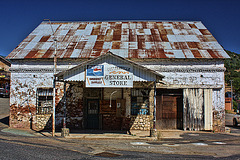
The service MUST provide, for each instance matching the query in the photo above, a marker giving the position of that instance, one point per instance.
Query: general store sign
(108, 75)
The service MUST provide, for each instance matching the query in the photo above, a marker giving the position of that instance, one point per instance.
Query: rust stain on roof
(192, 26)
(98, 45)
(204, 31)
(139, 39)
(31, 54)
(196, 54)
(48, 54)
(44, 38)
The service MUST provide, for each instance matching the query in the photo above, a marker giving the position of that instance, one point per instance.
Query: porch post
(153, 130)
(185, 92)
(155, 105)
(64, 106)
(65, 131)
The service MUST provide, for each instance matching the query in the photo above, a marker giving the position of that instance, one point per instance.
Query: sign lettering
(109, 75)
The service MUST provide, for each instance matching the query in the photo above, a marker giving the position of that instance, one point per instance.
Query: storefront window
(140, 101)
(44, 100)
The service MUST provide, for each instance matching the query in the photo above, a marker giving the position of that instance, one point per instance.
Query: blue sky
(20, 17)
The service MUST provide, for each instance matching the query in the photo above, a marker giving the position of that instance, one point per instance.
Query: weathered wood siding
(208, 103)
(193, 109)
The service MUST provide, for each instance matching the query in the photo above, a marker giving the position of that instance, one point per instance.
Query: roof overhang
(139, 72)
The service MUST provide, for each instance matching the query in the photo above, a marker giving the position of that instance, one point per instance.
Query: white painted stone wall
(190, 72)
(196, 74)
(23, 97)
(28, 75)
(24, 87)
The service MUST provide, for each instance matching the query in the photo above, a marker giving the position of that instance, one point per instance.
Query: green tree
(232, 72)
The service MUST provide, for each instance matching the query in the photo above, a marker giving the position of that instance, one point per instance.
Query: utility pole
(54, 78)
(231, 95)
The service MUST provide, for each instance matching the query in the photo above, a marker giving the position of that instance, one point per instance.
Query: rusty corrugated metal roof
(140, 39)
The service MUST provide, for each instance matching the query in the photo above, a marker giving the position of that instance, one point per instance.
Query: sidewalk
(20, 132)
(113, 136)
(171, 142)
(165, 135)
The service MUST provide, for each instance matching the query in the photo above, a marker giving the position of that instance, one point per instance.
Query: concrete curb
(19, 132)
(100, 136)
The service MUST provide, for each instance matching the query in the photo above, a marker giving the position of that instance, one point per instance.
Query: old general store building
(137, 76)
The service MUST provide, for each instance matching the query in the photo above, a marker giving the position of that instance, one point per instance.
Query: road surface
(191, 145)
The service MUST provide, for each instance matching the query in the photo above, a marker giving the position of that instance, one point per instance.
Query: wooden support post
(64, 106)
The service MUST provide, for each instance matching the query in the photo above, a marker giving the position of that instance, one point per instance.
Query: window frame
(140, 103)
(44, 101)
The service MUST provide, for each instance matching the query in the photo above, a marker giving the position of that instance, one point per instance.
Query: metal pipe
(54, 79)
(111, 98)
(231, 95)
(54, 103)
(64, 118)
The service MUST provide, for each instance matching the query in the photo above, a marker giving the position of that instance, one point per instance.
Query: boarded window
(44, 100)
(140, 101)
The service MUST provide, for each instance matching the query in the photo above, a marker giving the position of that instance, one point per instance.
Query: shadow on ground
(88, 131)
(5, 120)
(236, 127)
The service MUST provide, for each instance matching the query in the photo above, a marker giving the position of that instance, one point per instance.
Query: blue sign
(95, 70)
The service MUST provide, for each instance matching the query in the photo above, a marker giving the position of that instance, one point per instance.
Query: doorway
(169, 109)
(92, 114)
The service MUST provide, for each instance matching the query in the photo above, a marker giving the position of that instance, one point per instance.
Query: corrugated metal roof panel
(188, 54)
(21, 53)
(205, 53)
(172, 38)
(199, 25)
(140, 39)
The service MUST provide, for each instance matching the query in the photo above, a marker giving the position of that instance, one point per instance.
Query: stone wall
(27, 76)
(218, 110)
(43, 122)
(23, 98)
(74, 105)
(141, 122)
(194, 73)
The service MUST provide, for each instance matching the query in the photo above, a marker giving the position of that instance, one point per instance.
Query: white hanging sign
(109, 75)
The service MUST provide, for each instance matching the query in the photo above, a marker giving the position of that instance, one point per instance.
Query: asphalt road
(20, 150)
(191, 145)
(229, 123)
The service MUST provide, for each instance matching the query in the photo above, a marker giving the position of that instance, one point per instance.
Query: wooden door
(169, 111)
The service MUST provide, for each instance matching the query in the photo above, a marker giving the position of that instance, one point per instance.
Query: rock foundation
(141, 122)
